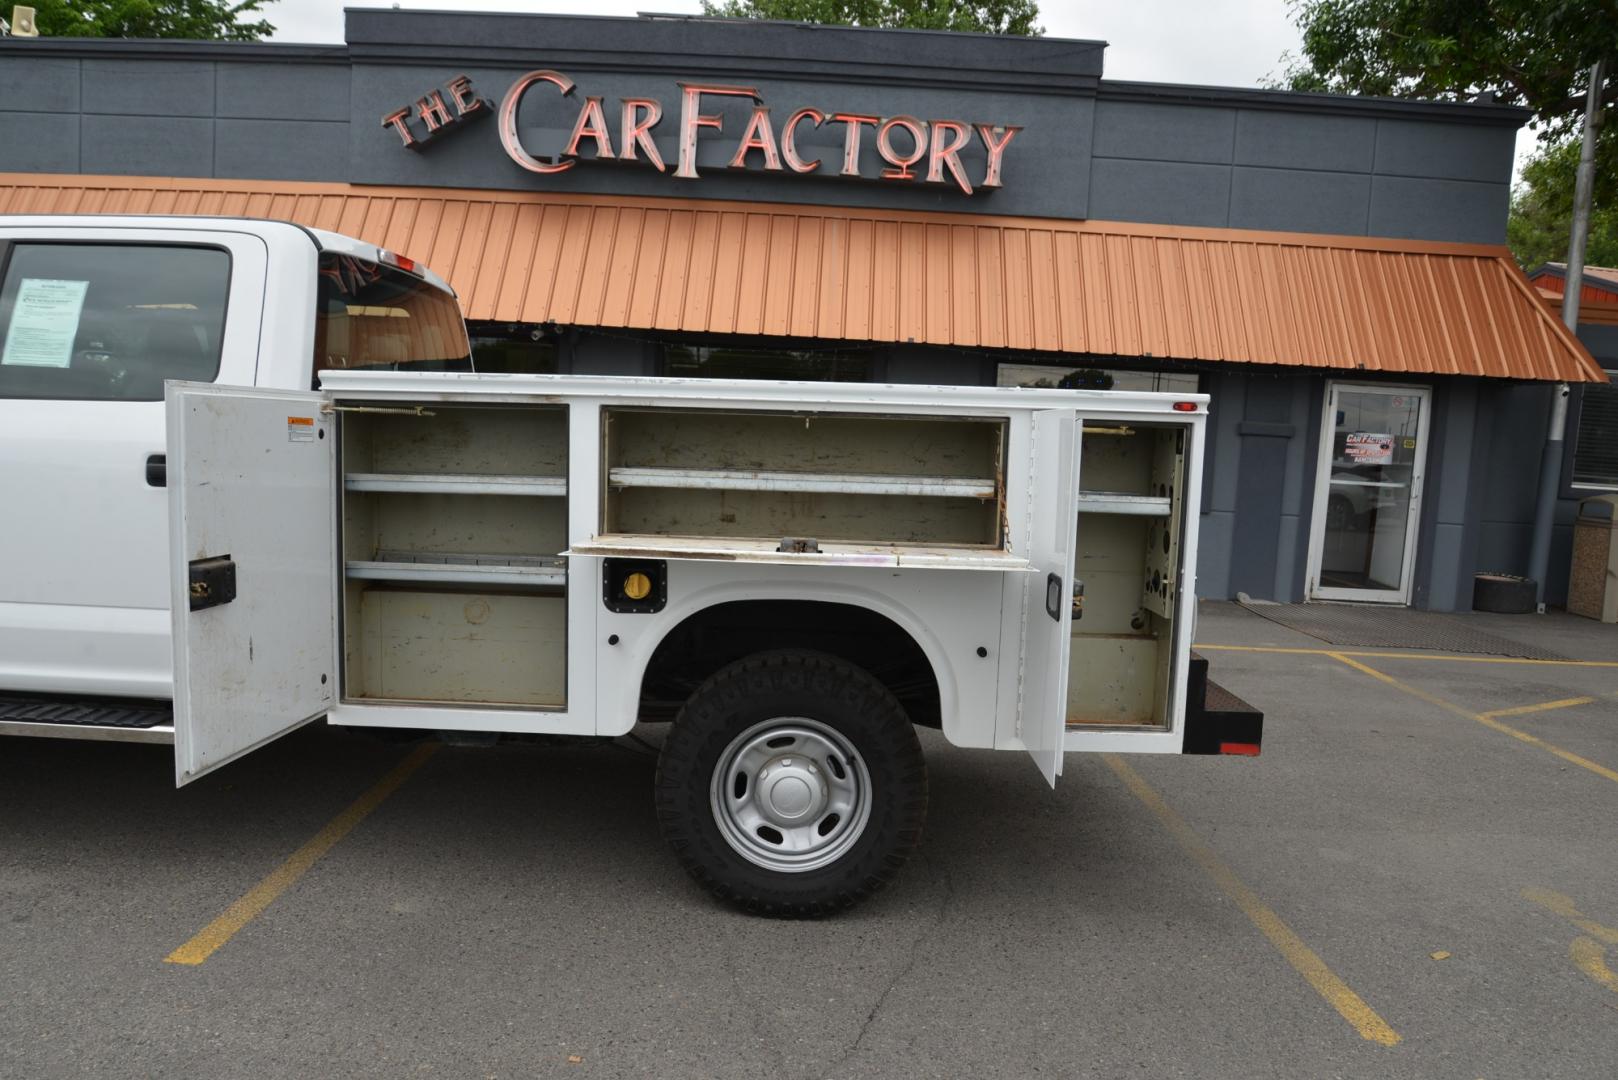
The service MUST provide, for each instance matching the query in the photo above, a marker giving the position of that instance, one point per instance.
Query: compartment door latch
(213, 581)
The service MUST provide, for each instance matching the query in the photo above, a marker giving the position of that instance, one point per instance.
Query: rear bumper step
(119, 719)
(1216, 720)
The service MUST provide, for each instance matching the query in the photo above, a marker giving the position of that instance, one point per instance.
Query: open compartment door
(252, 556)
(1047, 618)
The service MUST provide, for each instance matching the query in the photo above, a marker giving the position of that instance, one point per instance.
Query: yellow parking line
(208, 940)
(1589, 954)
(1563, 905)
(1486, 719)
(1376, 655)
(1544, 706)
(1302, 958)
(1589, 957)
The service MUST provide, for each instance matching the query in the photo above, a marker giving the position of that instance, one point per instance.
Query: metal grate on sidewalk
(1379, 627)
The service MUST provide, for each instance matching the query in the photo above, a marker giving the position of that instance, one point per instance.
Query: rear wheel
(792, 784)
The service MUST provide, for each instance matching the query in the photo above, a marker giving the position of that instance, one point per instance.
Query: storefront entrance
(1373, 446)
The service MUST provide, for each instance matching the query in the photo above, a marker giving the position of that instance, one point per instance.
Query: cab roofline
(321, 238)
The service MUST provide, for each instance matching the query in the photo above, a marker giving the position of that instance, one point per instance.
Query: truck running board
(107, 719)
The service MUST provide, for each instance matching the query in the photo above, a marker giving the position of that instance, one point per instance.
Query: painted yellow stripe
(1303, 959)
(209, 939)
(1463, 658)
(1564, 906)
(1589, 957)
(1485, 719)
(1544, 706)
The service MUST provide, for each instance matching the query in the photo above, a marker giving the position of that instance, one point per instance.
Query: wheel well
(724, 633)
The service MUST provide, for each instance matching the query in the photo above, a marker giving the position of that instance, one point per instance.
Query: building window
(512, 349)
(1092, 378)
(814, 365)
(1595, 453)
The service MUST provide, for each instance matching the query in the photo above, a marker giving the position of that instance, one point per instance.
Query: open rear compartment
(1129, 537)
(804, 481)
(455, 591)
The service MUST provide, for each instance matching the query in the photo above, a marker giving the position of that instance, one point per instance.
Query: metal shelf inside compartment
(833, 553)
(808, 482)
(458, 483)
(1123, 502)
(445, 568)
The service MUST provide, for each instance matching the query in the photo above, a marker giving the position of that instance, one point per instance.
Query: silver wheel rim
(789, 794)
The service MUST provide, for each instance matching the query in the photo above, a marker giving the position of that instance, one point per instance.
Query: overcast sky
(1212, 42)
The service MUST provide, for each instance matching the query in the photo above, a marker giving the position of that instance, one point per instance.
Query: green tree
(1532, 53)
(1542, 205)
(215, 20)
(980, 16)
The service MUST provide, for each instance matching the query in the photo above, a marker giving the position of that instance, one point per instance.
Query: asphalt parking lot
(1418, 878)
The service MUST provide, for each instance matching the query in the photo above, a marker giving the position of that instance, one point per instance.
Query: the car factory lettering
(912, 149)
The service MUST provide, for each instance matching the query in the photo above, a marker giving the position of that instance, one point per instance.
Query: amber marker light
(637, 586)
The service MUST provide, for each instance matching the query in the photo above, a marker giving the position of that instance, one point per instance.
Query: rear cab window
(109, 322)
(374, 316)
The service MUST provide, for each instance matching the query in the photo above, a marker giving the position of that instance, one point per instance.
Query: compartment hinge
(396, 410)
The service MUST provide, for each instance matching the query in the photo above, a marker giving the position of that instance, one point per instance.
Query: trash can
(1592, 588)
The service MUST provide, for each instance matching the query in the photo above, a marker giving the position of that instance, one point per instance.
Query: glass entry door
(1373, 446)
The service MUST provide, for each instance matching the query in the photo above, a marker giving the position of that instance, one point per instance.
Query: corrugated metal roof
(1342, 303)
(1602, 275)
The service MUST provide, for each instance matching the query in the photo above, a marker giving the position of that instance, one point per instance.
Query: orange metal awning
(1341, 303)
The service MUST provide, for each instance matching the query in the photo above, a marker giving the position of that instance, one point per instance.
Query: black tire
(1504, 594)
(833, 694)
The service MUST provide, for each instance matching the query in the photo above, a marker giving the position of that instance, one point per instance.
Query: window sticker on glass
(1369, 448)
(44, 323)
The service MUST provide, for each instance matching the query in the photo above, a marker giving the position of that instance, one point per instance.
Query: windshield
(374, 316)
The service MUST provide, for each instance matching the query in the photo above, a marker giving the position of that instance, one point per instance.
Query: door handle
(157, 470)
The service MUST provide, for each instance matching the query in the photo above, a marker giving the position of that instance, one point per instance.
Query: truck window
(374, 316)
(110, 322)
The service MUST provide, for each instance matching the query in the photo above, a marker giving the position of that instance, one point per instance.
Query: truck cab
(97, 314)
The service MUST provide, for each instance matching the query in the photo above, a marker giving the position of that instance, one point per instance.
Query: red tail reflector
(405, 263)
(1245, 749)
(1185, 406)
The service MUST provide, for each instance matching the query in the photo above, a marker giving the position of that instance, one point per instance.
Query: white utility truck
(251, 479)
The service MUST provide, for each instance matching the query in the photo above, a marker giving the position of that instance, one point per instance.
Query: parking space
(512, 911)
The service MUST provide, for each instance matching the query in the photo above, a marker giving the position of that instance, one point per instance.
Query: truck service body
(264, 485)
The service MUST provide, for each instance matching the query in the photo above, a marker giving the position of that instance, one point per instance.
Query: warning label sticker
(300, 429)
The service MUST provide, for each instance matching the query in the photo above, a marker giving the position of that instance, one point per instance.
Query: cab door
(93, 320)
(1047, 617)
(253, 568)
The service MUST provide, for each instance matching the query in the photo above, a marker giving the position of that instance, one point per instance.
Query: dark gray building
(685, 195)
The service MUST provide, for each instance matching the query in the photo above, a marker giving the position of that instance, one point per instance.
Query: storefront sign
(1367, 448)
(434, 112)
(911, 149)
